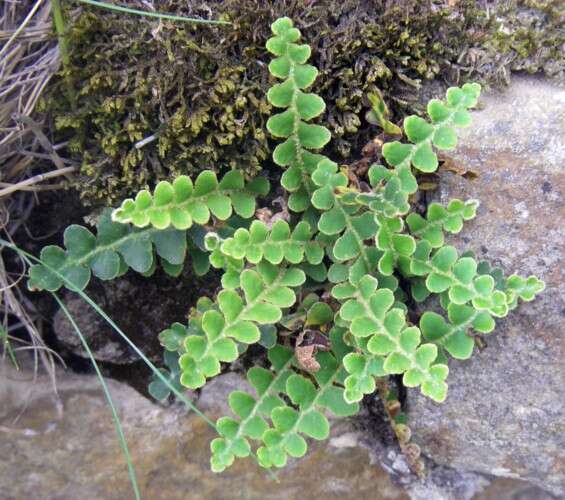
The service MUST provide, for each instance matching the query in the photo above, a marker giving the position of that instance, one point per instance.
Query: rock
(505, 410)
(67, 448)
(215, 394)
(512, 489)
(72, 451)
(440, 482)
(141, 307)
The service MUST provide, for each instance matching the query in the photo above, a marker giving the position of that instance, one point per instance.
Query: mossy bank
(157, 99)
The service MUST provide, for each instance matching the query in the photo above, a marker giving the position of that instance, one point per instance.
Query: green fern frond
(264, 291)
(182, 203)
(309, 400)
(445, 116)
(370, 313)
(108, 254)
(392, 187)
(253, 413)
(453, 335)
(276, 244)
(276, 426)
(292, 124)
(445, 271)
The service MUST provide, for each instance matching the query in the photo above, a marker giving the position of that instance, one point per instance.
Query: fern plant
(324, 286)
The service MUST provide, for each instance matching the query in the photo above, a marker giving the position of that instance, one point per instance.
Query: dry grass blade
(15, 306)
(29, 57)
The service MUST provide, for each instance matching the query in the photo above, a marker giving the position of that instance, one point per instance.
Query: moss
(199, 92)
(529, 37)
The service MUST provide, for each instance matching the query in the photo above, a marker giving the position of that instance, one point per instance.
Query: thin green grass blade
(160, 15)
(60, 28)
(116, 418)
(109, 320)
(29, 257)
(8, 347)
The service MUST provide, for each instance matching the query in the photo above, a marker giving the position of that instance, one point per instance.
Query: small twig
(35, 179)
(44, 156)
(35, 189)
(43, 140)
(143, 142)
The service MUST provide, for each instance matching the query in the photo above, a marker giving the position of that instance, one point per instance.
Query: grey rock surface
(505, 410)
(66, 448)
(69, 449)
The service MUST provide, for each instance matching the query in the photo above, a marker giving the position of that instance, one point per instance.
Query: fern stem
(358, 239)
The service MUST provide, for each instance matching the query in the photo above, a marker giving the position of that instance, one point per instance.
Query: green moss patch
(195, 94)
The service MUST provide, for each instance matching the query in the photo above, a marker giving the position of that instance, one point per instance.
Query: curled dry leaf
(403, 433)
(450, 165)
(412, 453)
(305, 356)
(267, 216)
(393, 408)
(307, 345)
